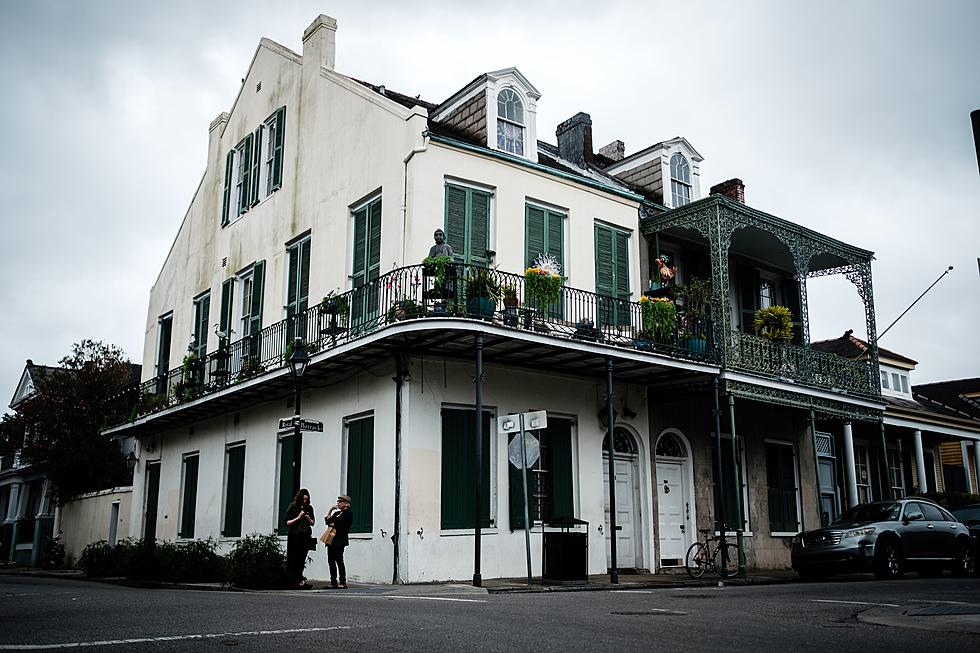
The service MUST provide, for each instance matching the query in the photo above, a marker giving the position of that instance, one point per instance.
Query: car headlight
(860, 532)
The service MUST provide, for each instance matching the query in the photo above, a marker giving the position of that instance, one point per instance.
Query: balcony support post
(850, 473)
(737, 476)
(920, 462)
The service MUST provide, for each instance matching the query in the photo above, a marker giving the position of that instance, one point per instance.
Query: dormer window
(680, 180)
(510, 122)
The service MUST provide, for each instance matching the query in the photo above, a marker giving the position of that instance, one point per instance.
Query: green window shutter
(189, 507)
(258, 283)
(622, 265)
(479, 228)
(456, 201)
(304, 276)
(534, 235)
(278, 148)
(234, 492)
(458, 458)
(287, 459)
(225, 319)
(560, 434)
(604, 271)
(360, 472)
(555, 238)
(292, 276)
(229, 170)
(243, 199)
(163, 347)
(202, 308)
(359, 267)
(374, 241)
(253, 195)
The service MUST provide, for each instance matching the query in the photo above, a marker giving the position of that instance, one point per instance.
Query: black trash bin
(566, 552)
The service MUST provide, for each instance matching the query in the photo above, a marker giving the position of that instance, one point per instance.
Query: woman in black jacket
(300, 520)
(340, 517)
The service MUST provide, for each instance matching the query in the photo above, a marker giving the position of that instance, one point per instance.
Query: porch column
(611, 417)
(884, 456)
(849, 472)
(920, 462)
(737, 476)
(13, 517)
(976, 464)
(478, 474)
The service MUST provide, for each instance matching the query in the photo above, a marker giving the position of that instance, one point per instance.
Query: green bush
(100, 560)
(256, 562)
(952, 499)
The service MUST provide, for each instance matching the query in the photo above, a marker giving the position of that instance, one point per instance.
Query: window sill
(783, 534)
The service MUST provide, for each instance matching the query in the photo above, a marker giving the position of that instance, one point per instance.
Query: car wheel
(888, 560)
(964, 564)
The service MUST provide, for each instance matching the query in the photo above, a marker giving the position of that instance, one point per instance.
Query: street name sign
(304, 424)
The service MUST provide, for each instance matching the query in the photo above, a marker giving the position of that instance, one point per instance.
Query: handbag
(327, 537)
(312, 545)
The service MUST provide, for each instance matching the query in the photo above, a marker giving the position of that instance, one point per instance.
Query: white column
(849, 471)
(920, 462)
(976, 463)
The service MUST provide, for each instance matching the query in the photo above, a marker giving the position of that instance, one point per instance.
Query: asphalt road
(52, 614)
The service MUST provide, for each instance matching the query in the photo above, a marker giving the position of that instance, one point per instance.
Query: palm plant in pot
(774, 323)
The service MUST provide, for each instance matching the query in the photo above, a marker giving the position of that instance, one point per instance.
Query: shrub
(100, 560)
(189, 562)
(256, 562)
(774, 323)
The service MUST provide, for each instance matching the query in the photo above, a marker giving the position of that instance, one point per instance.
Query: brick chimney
(732, 189)
(575, 139)
(615, 151)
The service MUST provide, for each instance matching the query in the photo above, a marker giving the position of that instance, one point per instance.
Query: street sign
(304, 424)
(533, 421)
(532, 450)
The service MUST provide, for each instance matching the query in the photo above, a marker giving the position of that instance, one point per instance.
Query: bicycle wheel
(696, 560)
(731, 552)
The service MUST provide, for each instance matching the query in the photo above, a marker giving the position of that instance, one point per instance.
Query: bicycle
(702, 555)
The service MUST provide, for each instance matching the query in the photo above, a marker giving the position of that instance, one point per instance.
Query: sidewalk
(602, 582)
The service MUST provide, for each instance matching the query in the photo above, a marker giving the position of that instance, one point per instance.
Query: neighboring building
(928, 441)
(27, 511)
(322, 186)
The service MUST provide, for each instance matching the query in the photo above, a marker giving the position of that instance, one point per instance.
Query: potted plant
(441, 270)
(696, 295)
(542, 286)
(335, 303)
(250, 367)
(508, 294)
(403, 309)
(774, 323)
(659, 318)
(482, 293)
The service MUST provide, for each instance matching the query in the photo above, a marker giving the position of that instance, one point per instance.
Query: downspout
(399, 380)
(408, 157)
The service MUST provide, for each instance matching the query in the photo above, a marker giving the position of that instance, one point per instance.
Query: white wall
(88, 519)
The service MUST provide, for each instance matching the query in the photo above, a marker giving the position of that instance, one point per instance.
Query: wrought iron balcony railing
(750, 353)
(415, 292)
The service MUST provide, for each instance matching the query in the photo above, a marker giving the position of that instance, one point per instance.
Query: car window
(931, 512)
(870, 512)
(912, 511)
(966, 515)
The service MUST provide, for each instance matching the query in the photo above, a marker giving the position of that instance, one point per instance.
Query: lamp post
(298, 362)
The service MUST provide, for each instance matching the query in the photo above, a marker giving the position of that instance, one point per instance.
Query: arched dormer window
(510, 122)
(680, 180)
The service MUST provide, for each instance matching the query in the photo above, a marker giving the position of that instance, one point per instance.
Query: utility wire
(881, 335)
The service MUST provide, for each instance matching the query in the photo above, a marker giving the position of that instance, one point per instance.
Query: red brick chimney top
(733, 189)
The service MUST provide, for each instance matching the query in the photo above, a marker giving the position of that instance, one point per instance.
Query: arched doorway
(626, 460)
(675, 493)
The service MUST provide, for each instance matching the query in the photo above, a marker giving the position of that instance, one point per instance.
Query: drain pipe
(399, 379)
(408, 157)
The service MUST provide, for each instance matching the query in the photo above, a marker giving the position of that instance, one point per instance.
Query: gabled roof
(961, 396)
(629, 162)
(29, 379)
(481, 80)
(852, 347)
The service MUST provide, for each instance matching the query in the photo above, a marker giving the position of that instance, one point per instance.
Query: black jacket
(342, 522)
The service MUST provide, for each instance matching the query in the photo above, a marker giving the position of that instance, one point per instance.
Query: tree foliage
(58, 428)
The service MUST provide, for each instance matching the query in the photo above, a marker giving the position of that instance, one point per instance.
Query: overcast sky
(850, 118)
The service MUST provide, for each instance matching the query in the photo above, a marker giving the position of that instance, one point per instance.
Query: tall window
(188, 492)
(360, 471)
(895, 475)
(612, 277)
(862, 469)
(680, 180)
(468, 223)
(510, 122)
(275, 132)
(234, 490)
(458, 460)
(782, 488)
(297, 288)
(549, 480)
(243, 173)
(202, 310)
(165, 327)
(250, 176)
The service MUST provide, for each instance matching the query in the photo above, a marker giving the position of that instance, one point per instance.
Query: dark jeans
(297, 548)
(335, 557)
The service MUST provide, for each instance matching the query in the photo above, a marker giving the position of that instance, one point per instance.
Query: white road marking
(887, 605)
(171, 638)
(431, 598)
(635, 591)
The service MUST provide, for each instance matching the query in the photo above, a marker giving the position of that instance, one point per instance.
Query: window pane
(905, 384)
(509, 106)
(510, 137)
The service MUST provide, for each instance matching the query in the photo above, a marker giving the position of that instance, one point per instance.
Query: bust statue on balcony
(440, 248)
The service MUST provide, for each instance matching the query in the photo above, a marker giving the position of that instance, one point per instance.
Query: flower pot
(697, 345)
(481, 307)
(511, 315)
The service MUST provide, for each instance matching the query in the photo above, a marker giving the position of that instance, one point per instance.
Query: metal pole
(816, 467)
(737, 476)
(884, 456)
(478, 473)
(719, 485)
(297, 438)
(527, 520)
(611, 448)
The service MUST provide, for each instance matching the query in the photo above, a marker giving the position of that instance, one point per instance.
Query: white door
(673, 520)
(625, 512)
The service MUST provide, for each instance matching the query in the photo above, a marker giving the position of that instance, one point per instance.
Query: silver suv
(886, 537)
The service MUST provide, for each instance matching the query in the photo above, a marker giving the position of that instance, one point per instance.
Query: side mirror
(912, 517)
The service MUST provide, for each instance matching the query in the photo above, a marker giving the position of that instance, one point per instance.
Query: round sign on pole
(532, 449)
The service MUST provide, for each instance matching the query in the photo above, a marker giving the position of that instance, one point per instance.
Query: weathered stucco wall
(88, 519)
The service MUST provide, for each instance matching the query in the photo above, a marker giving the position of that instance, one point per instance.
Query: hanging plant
(542, 281)
(774, 323)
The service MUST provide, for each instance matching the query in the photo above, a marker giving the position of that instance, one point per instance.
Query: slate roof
(953, 396)
(852, 347)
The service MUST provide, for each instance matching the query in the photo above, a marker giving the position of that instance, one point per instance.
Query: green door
(612, 279)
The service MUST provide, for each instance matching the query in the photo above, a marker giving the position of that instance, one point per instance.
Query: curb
(605, 587)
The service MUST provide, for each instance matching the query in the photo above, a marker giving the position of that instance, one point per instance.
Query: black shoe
(305, 586)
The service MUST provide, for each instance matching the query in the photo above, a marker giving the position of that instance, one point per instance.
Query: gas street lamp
(298, 361)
